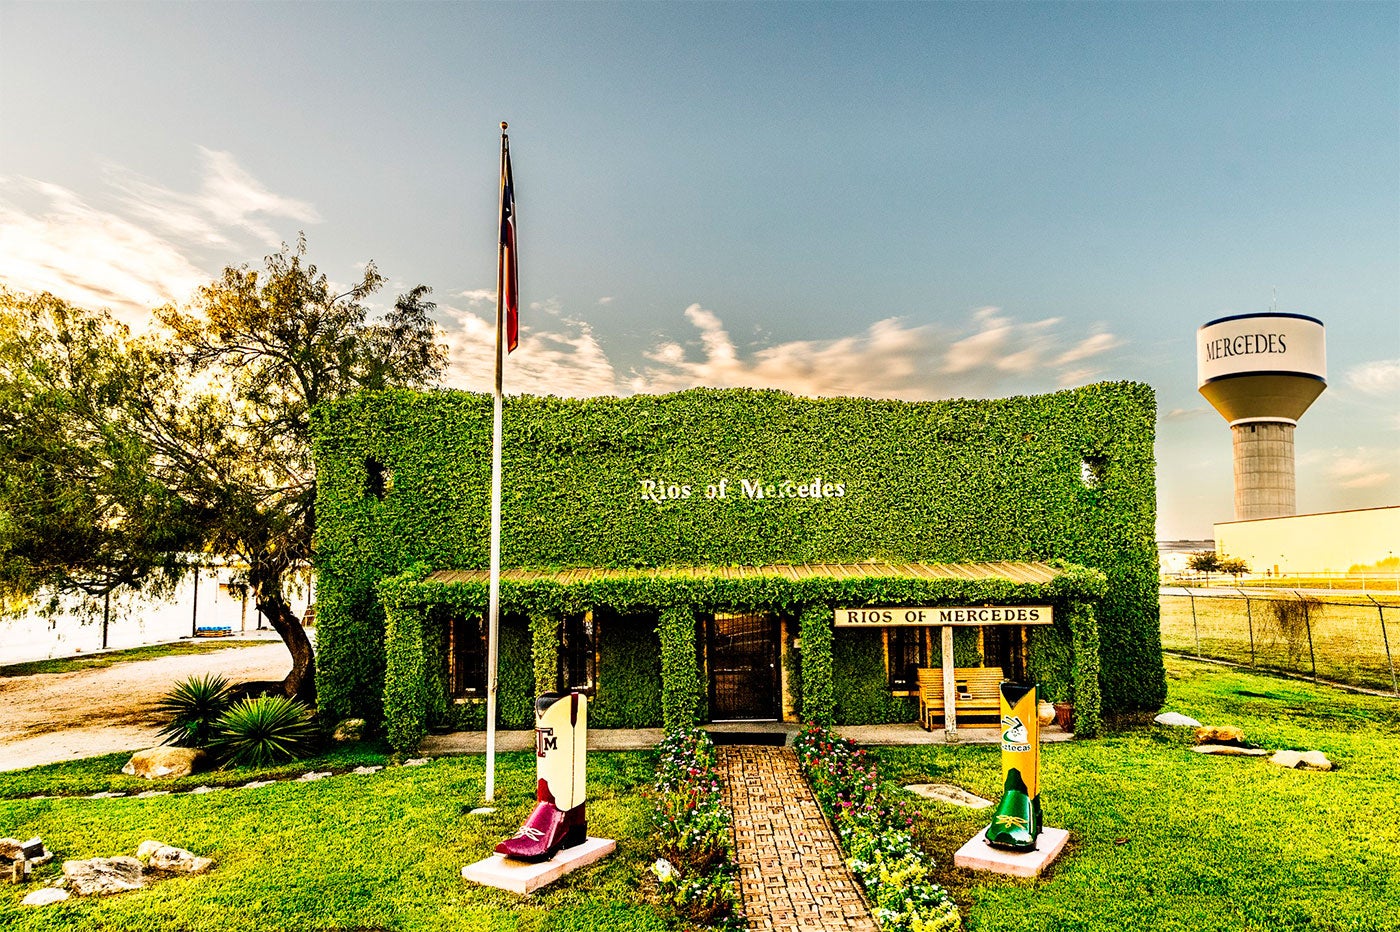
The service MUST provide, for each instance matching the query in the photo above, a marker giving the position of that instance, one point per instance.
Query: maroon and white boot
(561, 745)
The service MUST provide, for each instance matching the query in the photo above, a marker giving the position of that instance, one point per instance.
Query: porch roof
(1019, 572)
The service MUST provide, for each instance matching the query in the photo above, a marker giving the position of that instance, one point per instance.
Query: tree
(202, 434)
(1204, 561)
(80, 511)
(265, 348)
(1234, 566)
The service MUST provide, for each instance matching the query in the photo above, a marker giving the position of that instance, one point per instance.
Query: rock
(947, 793)
(45, 897)
(368, 770)
(415, 762)
(254, 784)
(148, 848)
(1229, 750)
(206, 789)
(313, 776)
(1302, 760)
(101, 876)
(178, 861)
(1176, 718)
(106, 794)
(352, 729)
(1219, 734)
(11, 849)
(151, 793)
(164, 763)
(482, 810)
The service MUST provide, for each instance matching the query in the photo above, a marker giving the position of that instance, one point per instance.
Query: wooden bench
(978, 688)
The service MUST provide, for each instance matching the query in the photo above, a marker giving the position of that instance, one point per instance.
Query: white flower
(663, 870)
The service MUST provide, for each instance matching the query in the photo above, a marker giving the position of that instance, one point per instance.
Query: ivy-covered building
(734, 554)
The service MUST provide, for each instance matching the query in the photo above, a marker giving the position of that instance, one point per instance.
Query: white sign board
(952, 615)
(1285, 344)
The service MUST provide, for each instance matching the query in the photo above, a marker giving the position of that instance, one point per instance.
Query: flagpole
(494, 611)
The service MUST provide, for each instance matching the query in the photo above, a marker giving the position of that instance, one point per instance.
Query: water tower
(1261, 372)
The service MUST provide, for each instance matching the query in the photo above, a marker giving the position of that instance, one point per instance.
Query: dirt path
(52, 717)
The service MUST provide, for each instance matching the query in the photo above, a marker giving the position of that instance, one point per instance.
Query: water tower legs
(1264, 476)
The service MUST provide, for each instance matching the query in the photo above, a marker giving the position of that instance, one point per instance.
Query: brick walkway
(791, 871)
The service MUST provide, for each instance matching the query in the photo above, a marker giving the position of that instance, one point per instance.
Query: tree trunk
(301, 681)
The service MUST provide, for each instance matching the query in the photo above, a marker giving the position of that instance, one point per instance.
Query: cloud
(890, 359)
(1359, 469)
(144, 251)
(229, 199)
(564, 359)
(1354, 468)
(605, 300)
(88, 256)
(1380, 377)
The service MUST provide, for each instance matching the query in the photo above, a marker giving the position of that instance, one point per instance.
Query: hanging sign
(973, 615)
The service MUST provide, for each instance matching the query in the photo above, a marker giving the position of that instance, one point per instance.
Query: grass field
(1163, 838)
(1348, 644)
(1374, 583)
(111, 657)
(350, 852)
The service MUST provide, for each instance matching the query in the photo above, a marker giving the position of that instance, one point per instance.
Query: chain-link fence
(1345, 638)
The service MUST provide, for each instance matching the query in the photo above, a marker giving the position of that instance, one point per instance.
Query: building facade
(691, 554)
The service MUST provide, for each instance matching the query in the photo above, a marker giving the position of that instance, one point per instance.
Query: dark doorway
(1003, 646)
(743, 655)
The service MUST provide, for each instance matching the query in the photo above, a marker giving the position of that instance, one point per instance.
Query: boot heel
(576, 835)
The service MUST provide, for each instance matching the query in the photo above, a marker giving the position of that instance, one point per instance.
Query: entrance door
(743, 652)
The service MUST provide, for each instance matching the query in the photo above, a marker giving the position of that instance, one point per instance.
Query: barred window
(908, 650)
(467, 653)
(577, 653)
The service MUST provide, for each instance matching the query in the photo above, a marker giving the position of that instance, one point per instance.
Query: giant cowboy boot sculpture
(1016, 824)
(561, 745)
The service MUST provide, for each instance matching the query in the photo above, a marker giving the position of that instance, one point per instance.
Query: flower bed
(694, 872)
(875, 834)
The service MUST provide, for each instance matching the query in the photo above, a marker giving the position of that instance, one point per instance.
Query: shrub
(265, 730)
(194, 708)
(875, 833)
(1292, 620)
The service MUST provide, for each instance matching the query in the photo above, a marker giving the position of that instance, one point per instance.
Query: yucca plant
(265, 730)
(193, 708)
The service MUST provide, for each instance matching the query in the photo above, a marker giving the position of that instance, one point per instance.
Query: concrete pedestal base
(521, 877)
(979, 856)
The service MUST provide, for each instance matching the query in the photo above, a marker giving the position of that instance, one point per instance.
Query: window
(379, 479)
(466, 653)
(577, 650)
(908, 650)
(1092, 470)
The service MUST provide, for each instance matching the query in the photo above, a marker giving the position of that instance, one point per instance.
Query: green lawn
(1163, 838)
(110, 657)
(350, 852)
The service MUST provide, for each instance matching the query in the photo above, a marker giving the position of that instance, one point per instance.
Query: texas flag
(509, 279)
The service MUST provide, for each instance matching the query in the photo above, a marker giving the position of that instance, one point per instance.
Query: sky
(904, 200)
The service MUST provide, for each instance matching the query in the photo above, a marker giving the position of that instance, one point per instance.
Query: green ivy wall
(946, 482)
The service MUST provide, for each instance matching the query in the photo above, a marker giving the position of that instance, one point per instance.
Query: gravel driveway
(51, 717)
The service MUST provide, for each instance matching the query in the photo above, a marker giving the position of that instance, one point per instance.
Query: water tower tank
(1261, 372)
